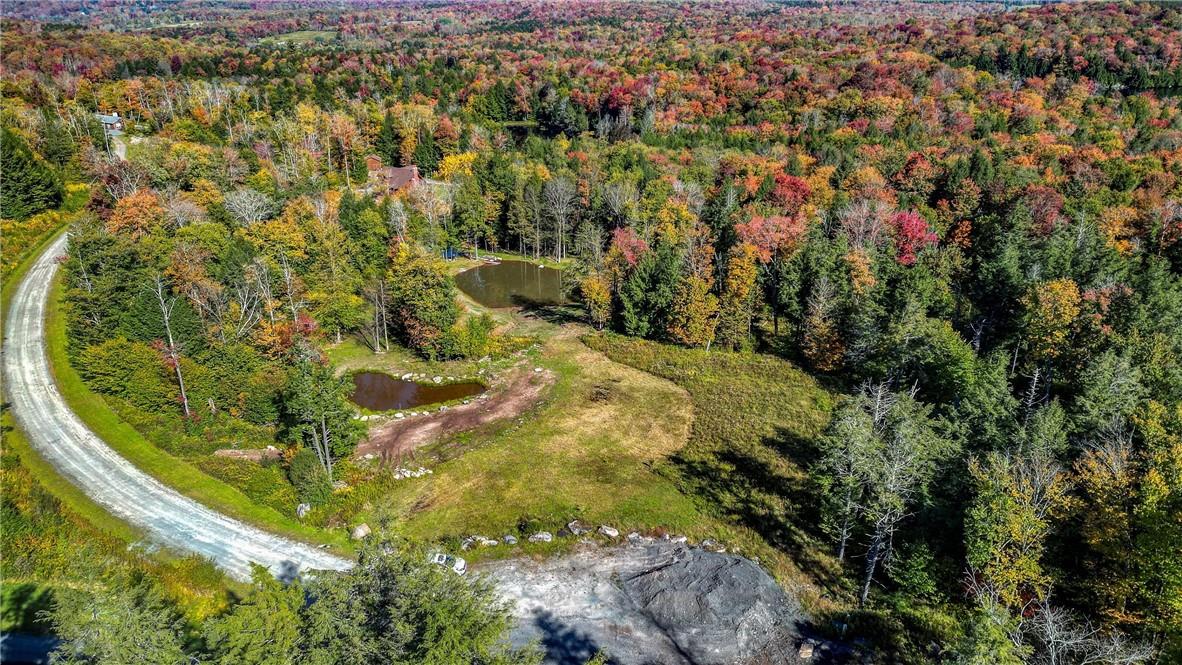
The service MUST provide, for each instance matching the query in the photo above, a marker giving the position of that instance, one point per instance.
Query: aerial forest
(914, 270)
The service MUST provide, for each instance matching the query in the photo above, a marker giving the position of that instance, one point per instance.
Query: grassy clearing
(585, 453)
(300, 37)
(756, 418)
(176, 473)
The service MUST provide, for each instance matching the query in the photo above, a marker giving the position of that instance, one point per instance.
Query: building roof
(397, 177)
(108, 119)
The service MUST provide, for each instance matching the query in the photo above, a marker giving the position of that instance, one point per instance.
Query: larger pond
(382, 392)
(512, 284)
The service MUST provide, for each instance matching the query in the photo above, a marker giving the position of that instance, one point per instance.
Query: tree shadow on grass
(769, 490)
(550, 312)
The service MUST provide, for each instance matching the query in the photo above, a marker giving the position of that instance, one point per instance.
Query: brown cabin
(390, 179)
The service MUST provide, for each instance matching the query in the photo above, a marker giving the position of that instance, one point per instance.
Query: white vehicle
(455, 563)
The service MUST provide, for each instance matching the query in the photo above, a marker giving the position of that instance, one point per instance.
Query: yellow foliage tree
(738, 295)
(597, 297)
(1051, 307)
(694, 317)
(457, 166)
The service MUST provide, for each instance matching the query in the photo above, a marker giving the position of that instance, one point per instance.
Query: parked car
(455, 563)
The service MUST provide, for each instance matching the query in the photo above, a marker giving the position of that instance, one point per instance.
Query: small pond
(512, 284)
(382, 392)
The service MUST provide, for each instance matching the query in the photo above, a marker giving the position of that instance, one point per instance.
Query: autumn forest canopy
(953, 232)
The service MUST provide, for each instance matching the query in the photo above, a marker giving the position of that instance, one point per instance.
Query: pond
(512, 284)
(382, 392)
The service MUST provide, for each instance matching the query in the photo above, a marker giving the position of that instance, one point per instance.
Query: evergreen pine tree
(28, 184)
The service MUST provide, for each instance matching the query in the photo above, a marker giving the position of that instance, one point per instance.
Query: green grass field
(300, 37)
(585, 453)
(756, 418)
(635, 434)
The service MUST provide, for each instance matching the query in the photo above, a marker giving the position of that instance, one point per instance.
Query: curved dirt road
(167, 517)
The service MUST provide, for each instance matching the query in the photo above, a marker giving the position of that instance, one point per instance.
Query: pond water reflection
(382, 392)
(512, 284)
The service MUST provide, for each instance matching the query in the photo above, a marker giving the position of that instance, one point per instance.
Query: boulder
(509, 540)
(360, 531)
(805, 652)
(718, 609)
(577, 528)
(437, 379)
(302, 510)
(711, 545)
(541, 537)
(610, 532)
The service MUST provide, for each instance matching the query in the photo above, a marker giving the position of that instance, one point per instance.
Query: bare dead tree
(397, 218)
(172, 353)
(900, 465)
(379, 335)
(250, 306)
(621, 199)
(1061, 639)
(559, 194)
(260, 272)
(122, 179)
(182, 211)
(249, 206)
(291, 287)
(536, 208)
(865, 222)
(691, 193)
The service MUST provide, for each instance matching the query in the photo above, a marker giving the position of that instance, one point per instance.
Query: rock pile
(403, 472)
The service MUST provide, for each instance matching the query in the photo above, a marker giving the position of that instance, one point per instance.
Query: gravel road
(164, 515)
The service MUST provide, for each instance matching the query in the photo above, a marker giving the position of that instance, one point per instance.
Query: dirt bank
(516, 393)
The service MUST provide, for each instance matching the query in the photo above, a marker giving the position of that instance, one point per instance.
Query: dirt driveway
(519, 391)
